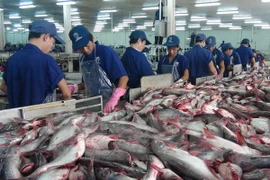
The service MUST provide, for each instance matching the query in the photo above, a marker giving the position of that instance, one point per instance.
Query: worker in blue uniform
(235, 58)
(134, 60)
(217, 54)
(227, 50)
(259, 58)
(31, 75)
(245, 54)
(173, 62)
(83, 42)
(159, 16)
(200, 60)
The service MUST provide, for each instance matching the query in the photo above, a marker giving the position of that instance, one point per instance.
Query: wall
(260, 38)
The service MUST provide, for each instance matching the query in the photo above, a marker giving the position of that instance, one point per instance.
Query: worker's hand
(114, 100)
(73, 88)
(220, 76)
(180, 82)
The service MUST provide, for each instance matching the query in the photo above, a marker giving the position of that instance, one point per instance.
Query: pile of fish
(218, 130)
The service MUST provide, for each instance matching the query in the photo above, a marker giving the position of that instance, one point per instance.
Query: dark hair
(133, 41)
(198, 41)
(91, 37)
(33, 35)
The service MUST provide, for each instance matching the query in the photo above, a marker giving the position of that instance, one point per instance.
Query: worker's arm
(212, 68)
(66, 94)
(3, 87)
(263, 62)
(252, 62)
(222, 67)
(186, 75)
(123, 82)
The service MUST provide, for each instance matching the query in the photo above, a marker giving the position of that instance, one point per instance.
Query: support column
(67, 26)
(171, 17)
(2, 31)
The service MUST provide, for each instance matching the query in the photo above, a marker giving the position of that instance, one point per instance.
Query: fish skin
(257, 174)
(114, 115)
(118, 156)
(261, 125)
(11, 165)
(264, 106)
(99, 141)
(117, 176)
(185, 163)
(177, 91)
(72, 153)
(230, 171)
(78, 172)
(152, 173)
(54, 174)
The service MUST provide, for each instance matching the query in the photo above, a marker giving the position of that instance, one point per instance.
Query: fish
(230, 171)
(54, 174)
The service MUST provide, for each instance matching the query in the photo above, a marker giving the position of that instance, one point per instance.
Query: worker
(245, 54)
(174, 62)
(31, 75)
(235, 58)
(259, 58)
(227, 50)
(159, 16)
(217, 54)
(200, 60)
(83, 42)
(134, 60)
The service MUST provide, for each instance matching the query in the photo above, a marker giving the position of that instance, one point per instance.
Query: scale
(92, 104)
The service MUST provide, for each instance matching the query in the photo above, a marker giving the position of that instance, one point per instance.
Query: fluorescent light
(101, 22)
(150, 8)
(8, 28)
(20, 28)
(14, 17)
(129, 21)
(41, 15)
(197, 20)
(180, 23)
(124, 25)
(206, 28)
(1, 9)
(74, 13)
(265, 27)
(150, 24)
(235, 28)
(26, 30)
(191, 26)
(103, 18)
(181, 14)
(141, 27)
(65, 3)
(253, 21)
(134, 17)
(242, 17)
(15, 30)
(27, 6)
(26, 21)
(7, 22)
(225, 25)
(180, 28)
(264, 1)
(108, 11)
(261, 25)
(17, 25)
(207, 4)
(227, 12)
(77, 19)
(50, 20)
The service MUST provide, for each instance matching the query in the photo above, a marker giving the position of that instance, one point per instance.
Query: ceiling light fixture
(65, 3)
(41, 15)
(103, 18)
(27, 6)
(242, 17)
(227, 12)
(14, 17)
(180, 28)
(150, 8)
(7, 22)
(265, 1)
(253, 22)
(74, 13)
(265, 27)
(207, 4)
(235, 28)
(136, 17)
(108, 11)
(181, 14)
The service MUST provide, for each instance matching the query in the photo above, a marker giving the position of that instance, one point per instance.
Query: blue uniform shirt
(245, 54)
(259, 59)
(218, 58)
(157, 15)
(109, 62)
(199, 59)
(235, 58)
(136, 65)
(182, 63)
(227, 62)
(30, 76)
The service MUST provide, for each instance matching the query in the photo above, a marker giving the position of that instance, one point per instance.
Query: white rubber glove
(179, 82)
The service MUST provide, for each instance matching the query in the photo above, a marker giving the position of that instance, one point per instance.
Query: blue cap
(245, 41)
(210, 42)
(226, 46)
(172, 40)
(200, 37)
(79, 36)
(45, 27)
(139, 34)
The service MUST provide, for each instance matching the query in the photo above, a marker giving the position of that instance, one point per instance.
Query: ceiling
(89, 10)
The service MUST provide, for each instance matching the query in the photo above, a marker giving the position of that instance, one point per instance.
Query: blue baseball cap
(245, 41)
(200, 37)
(226, 46)
(211, 42)
(79, 36)
(45, 27)
(172, 41)
(139, 34)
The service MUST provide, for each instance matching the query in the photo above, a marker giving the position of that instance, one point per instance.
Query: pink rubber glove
(114, 100)
(73, 88)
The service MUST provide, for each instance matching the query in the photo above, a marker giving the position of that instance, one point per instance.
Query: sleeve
(220, 57)
(113, 65)
(250, 53)
(184, 65)
(226, 61)
(144, 66)
(237, 58)
(54, 73)
(209, 58)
